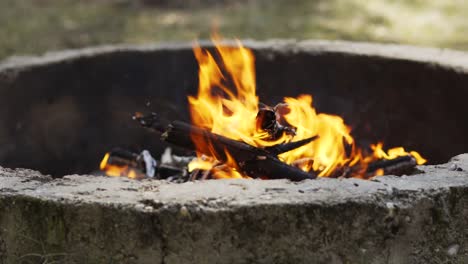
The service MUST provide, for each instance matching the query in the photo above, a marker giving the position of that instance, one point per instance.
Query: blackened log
(255, 162)
(397, 166)
(308, 162)
(142, 162)
(184, 135)
(273, 168)
(121, 157)
(165, 171)
(268, 120)
(153, 121)
(285, 147)
(346, 171)
(211, 144)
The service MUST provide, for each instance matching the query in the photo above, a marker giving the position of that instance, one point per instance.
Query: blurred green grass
(36, 26)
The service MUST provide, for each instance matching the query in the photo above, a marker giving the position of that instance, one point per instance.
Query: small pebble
(392, 209)
(453, 250)
(139, 206)
(184, 212)
(389, 189)
(453, 167)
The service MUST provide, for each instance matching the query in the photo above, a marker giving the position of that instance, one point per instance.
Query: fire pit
(63, 111)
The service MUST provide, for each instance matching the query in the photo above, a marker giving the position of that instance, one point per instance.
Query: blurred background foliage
(36, 26)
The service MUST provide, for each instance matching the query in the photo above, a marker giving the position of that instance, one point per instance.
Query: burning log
(271, 121)
(273, 168)
(285, 147)
(165, 171)
(120, 162)
(199, 174)
(346, 171)
(121, 157)
(263, 162)
(183, 135)
(254, 162)
(397, 166)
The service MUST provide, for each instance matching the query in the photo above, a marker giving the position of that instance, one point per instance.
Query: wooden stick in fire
(254, 162)
(397, 166)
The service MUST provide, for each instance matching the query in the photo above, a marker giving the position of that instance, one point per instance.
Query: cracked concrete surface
(94, 219)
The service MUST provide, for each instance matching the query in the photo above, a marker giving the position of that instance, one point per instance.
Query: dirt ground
(36, 26)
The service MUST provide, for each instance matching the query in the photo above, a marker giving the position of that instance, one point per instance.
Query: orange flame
(225, 171)
(395, 152)
(118, 171)
(227, 104)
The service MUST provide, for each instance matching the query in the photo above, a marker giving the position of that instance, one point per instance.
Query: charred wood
(214, 145)
(269, 120)
(285, 147)
(273, 168)
(397, 166)
(121, 157)
(254, 162)
(304, 162)
(164, 171)
(144, 163)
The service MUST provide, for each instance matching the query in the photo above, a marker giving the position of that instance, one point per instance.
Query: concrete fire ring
(91, 219)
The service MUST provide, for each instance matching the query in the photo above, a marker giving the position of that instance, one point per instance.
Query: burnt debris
(271, 120)
(143, 165)
(254, 162)
(225, 154)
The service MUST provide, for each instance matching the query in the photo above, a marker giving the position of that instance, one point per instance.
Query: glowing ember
(116, 170)
(118, 163)
(227, 105)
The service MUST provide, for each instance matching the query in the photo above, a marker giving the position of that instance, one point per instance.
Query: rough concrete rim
(180, 210)
(457, 60)
(232, 193)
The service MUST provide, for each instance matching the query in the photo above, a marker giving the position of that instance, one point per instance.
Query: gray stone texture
(95, 219)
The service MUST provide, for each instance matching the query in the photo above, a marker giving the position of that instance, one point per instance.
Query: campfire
(232, 134)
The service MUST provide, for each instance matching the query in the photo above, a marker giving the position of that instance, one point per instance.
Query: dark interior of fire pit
(61, 116)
